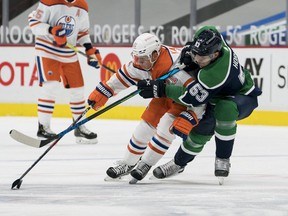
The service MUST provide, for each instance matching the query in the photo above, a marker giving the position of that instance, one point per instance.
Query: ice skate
(118, 171)
(44, 132)
(85, 136)
(167, 170)
(222, 167)
(139, 172)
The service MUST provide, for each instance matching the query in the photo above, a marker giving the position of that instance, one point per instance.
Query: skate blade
(82, 140)
(221, 180)
(133, 181)
(109, 179)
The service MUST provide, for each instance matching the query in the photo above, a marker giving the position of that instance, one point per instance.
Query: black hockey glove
(185, 57)
(151, 88)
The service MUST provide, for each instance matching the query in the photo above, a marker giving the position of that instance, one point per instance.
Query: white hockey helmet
(145, 44)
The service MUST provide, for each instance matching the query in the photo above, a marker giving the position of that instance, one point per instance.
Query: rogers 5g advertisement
(19, 79)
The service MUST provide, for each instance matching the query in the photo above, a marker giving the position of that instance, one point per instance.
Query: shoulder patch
(216, 74)
(81, 4)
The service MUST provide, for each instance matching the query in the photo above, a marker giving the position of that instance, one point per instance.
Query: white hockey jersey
(72, 16)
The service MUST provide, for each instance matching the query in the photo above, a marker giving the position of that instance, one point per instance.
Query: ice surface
(69, 180)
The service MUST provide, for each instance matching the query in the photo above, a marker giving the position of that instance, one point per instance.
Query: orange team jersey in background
(74, 19)
(55, 63)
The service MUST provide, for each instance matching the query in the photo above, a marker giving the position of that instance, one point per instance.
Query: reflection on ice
(69, 180)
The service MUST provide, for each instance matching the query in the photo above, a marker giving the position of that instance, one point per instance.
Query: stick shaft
(84, 54)
(78, 123)
(54, 143)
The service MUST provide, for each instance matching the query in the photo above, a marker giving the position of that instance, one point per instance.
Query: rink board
(258, 117)
(19, 83)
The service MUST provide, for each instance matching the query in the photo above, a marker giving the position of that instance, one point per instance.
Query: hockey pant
(219, 119)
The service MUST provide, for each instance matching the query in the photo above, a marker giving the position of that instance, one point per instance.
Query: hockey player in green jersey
(221, 83)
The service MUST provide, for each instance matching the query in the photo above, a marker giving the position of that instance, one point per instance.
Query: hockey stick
(22, 138)
(84, 54)
(17, 183)
(34, 142)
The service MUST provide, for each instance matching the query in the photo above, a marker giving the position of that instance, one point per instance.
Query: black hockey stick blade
(17, 183)
(27, 140)
(37, 143)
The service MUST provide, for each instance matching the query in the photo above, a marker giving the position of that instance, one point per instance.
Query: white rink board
(268, 65)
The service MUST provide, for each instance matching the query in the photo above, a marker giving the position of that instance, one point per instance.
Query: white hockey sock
(77, 101)
(46, 101)
(138, 143)
(160, 142)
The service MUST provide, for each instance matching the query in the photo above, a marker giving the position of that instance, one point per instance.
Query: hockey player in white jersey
(54, 23)
(152, 137)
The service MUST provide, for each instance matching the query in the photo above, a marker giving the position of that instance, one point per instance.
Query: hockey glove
(94, 57)
(100, 95)
(185, 57)
(151, 88)
(59, 34)
(184, 123)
